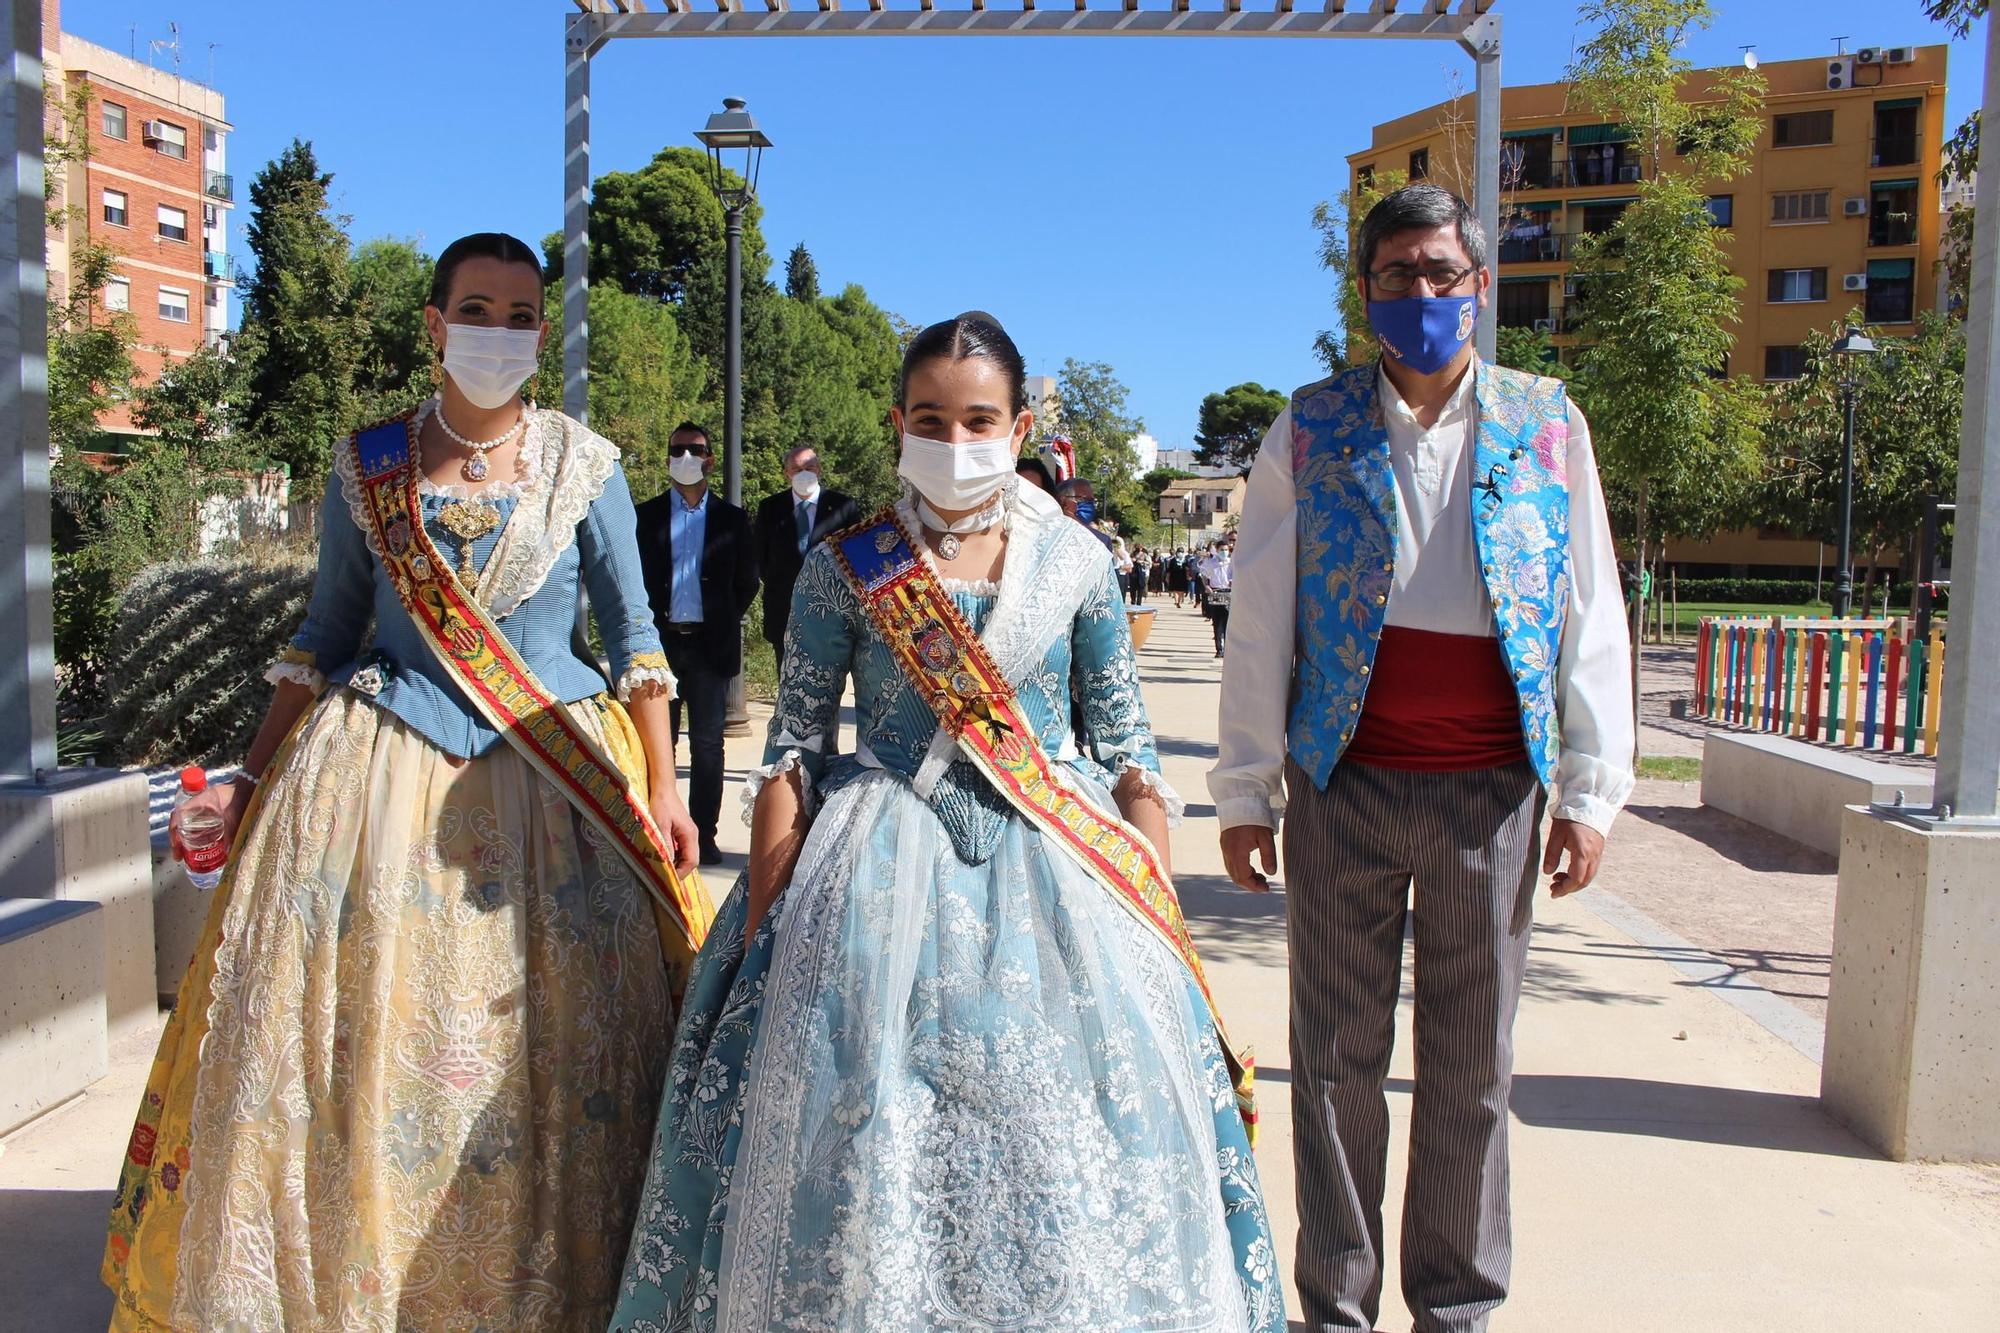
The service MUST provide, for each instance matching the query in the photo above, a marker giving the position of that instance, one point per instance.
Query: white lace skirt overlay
(976, 1098)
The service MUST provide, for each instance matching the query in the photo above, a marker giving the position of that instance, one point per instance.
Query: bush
(184, 671)
(1771, 592)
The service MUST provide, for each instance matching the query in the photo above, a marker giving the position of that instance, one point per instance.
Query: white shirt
(1218, 572)
(1437, 587)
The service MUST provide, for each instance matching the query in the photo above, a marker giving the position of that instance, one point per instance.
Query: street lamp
(731, 130)
(1849, 348)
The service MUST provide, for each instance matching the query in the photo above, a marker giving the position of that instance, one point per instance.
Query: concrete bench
(1797, 789)
(52, 1021)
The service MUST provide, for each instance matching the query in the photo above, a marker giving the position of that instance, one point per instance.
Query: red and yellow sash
(501, 686)
(977, 706)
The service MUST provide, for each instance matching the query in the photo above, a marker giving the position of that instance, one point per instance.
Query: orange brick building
(155, 188)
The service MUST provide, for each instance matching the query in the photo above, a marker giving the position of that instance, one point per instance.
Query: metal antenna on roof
(1840, 46)
(1749, 56)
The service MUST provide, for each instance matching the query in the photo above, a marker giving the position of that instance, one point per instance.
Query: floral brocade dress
(412, 1072)
(952, 1083)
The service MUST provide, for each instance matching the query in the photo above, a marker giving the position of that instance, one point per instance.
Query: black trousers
(704, 692)
(1218, 619)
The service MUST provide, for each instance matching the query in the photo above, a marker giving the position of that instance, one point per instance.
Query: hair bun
(982, 316)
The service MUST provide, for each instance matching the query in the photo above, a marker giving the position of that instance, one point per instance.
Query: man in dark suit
(701, 573)
(789, 524)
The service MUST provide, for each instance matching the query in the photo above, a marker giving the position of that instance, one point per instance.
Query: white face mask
(490, 365)
(956, 476)
(805, 484)
(686, 469)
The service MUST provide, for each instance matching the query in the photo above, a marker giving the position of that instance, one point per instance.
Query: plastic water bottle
(199, 834)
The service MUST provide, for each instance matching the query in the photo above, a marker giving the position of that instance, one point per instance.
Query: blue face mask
(1086, 511)
(1424, 332)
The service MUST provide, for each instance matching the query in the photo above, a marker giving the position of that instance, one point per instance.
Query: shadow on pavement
(1740, 841)
(1749, 969)
(35, 1224)
(1696, 1113)
(1231, 925)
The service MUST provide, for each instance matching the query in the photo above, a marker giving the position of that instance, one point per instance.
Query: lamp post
(1851, 346)
(730, 131)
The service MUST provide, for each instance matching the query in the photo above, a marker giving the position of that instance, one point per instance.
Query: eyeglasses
(698, 450)
(1397, 279)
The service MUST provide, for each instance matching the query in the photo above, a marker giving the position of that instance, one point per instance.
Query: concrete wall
(1912, 1058)
(52, 1040)
(1797, 789)
(82, 837)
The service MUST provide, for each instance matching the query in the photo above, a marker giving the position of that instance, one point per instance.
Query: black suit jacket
(778, 558)
(728, 576)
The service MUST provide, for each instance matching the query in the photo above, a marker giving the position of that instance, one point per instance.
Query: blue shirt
(687, 533)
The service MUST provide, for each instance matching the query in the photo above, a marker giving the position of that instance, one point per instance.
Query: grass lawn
(1671, 768)
(1691, 613)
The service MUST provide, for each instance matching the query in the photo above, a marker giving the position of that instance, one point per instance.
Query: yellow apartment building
(1840, 210)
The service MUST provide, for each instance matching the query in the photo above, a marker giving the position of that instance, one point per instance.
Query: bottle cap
(194, 778)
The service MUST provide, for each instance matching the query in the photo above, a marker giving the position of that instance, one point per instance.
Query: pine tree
(299, 305)
(801, 275)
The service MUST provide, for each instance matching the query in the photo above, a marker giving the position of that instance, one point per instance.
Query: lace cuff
(754, 780)
(298, 667)
(645, 672)
(1155, 785)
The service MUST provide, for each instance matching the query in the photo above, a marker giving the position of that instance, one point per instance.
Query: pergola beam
(826, 19)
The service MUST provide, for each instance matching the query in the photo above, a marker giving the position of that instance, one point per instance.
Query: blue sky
(1144, 203)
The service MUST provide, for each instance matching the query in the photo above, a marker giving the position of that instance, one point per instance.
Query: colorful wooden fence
(1864, 683)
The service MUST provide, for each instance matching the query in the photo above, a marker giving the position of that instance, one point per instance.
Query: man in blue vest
(1428, 650)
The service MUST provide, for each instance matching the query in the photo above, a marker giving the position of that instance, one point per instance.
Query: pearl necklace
(948, 544)
(474, 469)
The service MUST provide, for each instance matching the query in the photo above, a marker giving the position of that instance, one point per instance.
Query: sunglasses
(698, 450)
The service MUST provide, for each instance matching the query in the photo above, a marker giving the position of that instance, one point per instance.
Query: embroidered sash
(977, 706)
(499, 683)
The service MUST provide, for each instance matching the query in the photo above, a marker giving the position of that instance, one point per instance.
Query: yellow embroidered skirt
(411, 1078)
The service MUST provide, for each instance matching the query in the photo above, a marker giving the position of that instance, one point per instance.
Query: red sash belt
(1438, 703)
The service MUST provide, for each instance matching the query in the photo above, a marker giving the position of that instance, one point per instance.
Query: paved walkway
(1672, 1169)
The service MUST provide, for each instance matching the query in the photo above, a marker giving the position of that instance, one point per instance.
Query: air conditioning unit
(1854, 282)
(153, 131)
(1840, 73)
(1899, 55)
(1545, 326)
(1628, 173)
(1569, 286)
(1558, 136)
(1854, 208)
(1868, 55)
(208, 215)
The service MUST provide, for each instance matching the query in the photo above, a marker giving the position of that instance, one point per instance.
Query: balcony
(1604, 169)
(218, 185)
(1551, 249)
(218, 267)
(1895, 150)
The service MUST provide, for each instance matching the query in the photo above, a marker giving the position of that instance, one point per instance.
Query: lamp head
(733, 130)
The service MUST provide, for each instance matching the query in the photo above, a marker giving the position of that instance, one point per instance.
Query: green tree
(1157, 481)
(1232, 424)
(390, 280)
(90, 365)
(299, 300)
(1336, 220)
(801, 275)
(1092, 405)
(1909, 399)
(1960, 161)
(1656, 292)
(658, 231)
(1527, 349)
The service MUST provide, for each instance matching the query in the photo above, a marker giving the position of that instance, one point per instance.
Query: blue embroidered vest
(1347, 549)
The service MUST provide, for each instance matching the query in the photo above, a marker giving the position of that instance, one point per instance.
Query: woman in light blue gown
(930, 1073)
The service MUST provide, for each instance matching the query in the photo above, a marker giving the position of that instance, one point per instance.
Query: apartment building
(155, 187)
(1839, 210)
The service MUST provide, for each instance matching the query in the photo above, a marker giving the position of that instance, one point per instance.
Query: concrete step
(52, 1015)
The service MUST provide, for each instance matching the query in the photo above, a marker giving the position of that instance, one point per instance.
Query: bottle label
(201, 860)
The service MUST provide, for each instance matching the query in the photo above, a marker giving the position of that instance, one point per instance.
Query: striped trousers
(1469, 844)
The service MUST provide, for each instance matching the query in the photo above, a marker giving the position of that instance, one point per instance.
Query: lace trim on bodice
(571, 466)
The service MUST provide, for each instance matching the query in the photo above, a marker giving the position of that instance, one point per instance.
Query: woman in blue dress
(930, 1073)
(410, 1077)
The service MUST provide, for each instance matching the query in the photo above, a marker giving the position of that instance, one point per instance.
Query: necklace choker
(474, 469)
(948, 544)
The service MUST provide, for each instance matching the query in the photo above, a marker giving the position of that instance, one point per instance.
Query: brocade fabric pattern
(952, 1084)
